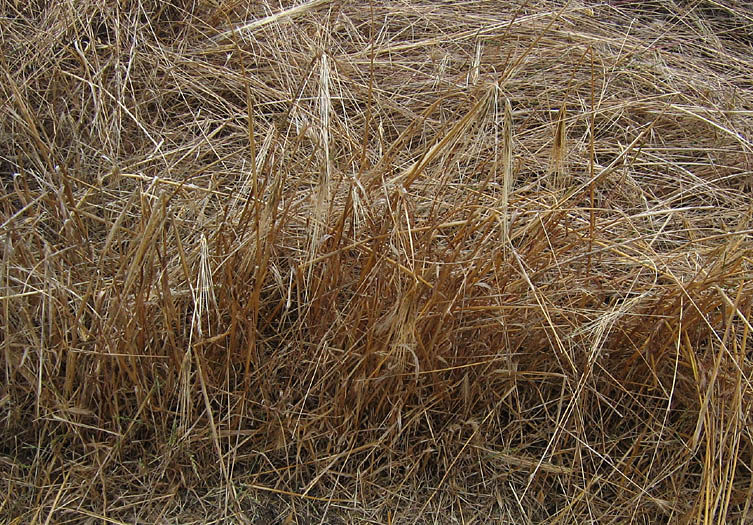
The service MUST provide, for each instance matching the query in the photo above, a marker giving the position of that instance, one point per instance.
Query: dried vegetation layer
(395, 262)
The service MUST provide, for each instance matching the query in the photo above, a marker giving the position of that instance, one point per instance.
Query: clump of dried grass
(387, 262)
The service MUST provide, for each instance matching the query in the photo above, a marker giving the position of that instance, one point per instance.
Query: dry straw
(376, 262)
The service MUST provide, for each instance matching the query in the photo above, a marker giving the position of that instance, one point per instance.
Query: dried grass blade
(271, 19)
